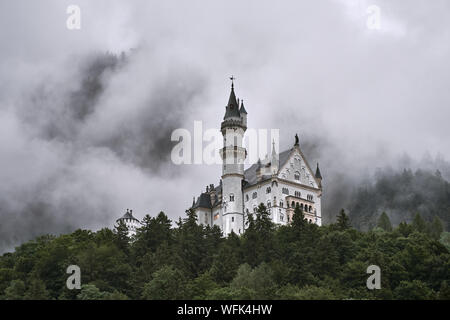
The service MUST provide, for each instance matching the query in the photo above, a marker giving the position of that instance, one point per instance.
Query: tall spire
(242, 109)
(318, 175)
(232, 108)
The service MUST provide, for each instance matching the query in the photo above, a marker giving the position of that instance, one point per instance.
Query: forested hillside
(401, 195)
(299, 261)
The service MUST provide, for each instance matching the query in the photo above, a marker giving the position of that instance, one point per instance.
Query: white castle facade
(281, 181)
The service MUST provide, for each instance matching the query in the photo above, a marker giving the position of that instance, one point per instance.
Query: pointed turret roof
(318, 175)
(242, 109)
(232, 108)
(128, 215)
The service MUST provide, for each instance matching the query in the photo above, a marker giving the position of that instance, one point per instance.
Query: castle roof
(250, 174)
(318, 175)
(242, 109)
(232, 108)
(127, 215)
(204, 201)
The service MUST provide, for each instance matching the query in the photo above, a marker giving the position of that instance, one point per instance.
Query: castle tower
(233, 155)
(130, 221)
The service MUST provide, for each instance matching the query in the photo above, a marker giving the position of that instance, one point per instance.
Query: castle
(281, 181)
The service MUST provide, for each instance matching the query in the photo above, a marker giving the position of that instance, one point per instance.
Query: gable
(296, 169)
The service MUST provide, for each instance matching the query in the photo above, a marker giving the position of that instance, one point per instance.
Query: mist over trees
(400, 196)
(191, 261)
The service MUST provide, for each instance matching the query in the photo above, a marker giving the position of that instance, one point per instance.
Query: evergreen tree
(298, 219)
(167, 284)
(444, 292)
(258, 244)
(90, 292)
(121, 236)
(342, 220)
(36, 290)
(16, 290)
(436, 228)
(190, 243)
(384, 222)
(419, 224)
(225, 264)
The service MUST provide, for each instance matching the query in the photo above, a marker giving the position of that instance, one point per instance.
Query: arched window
(246, 197)
(310, 208)
(281, 204)
(297, 175)
(269, 205)
(268, 190)
(293, 204)
(231, 197)
(301, 206)
(254, 195)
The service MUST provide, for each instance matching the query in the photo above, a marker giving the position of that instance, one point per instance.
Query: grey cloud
(85, 135)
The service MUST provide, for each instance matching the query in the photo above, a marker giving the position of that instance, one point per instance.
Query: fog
(86, 115)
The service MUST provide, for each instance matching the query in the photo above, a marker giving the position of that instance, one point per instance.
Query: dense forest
(191, 261)
(401, 194)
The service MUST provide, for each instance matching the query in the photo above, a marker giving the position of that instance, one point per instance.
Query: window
(281, 217)
(297, 175)
(268, 190)
(269, 204)
(231, 197)
(293, 204)
(254, 209)
(246, 197)
(281, 204)
(285, 191)
(232, 219)
(254, 195)
(298, 194)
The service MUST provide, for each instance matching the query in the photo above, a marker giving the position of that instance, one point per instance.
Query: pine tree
(342, 220)
(298, 219)
(15, 291)
(258, 238)
(384, 222)
(225, 264)
(190, 245)
(121, 236)
(419, 224)
(436, 228)
(36, 290)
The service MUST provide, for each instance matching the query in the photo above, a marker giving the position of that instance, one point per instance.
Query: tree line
(191, 261)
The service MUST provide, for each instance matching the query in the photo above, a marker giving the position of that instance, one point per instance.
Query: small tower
(243, 113)
(233, 127)
(275, 159)
(318, 176)
(131, 222)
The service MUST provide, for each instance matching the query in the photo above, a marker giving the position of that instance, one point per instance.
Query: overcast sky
(358, 97)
